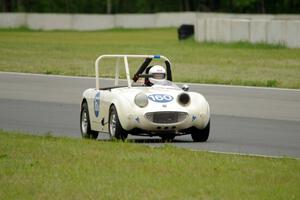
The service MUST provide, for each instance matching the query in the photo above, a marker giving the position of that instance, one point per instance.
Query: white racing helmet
(158, 72)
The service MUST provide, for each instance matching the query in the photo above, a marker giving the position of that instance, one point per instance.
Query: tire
(167, 137)
(114, 125)
(85, 126)
(200, 135)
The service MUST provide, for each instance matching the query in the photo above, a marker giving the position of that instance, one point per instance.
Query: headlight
(141, 100)
(183, 99)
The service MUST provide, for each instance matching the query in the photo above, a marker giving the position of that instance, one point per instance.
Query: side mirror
(185, 87)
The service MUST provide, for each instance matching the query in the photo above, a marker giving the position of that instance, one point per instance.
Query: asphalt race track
(245, 120)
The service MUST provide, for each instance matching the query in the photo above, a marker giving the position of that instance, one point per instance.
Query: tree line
(150, 6)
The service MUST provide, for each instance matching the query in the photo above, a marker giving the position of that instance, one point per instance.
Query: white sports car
(147, 105)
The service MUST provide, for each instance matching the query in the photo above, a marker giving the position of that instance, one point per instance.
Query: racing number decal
(160, 98)
(97, 104)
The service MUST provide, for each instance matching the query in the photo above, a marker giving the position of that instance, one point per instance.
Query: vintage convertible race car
(148, 104)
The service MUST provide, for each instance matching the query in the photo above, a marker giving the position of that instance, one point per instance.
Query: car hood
(130, 93)
(158, 98)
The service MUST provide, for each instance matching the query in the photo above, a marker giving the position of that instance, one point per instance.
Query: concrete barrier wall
(12, 20)
(276, 32)
(174, 19)
(258, 32)
(68, 22)
(293, 34)
(240, 30)
(224, 30)
(135, 21)
(94, 22)
(49, 21)
(274, 29)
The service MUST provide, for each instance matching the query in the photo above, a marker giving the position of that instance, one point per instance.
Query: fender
(124, 108)
(202, 109)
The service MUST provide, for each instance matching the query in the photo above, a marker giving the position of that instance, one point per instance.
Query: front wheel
(115, 128)
(199, 135)
(85, 126)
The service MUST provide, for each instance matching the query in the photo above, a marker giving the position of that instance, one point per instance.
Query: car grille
(166, 117)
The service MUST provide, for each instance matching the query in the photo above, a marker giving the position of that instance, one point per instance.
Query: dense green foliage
(47, 167)
(150, 6)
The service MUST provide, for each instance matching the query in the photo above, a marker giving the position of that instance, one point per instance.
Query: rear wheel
(85, 126)
(200, 135)
(115, 128)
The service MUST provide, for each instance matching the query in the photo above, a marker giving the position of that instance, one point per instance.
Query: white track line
(195, 84)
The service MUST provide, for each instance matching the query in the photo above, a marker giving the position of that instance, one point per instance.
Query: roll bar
(125, 58)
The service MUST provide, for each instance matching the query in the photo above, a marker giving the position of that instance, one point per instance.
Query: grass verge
(74, 53)
(35, 167)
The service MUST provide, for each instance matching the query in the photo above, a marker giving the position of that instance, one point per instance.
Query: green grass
(74, 53)
(36, 167)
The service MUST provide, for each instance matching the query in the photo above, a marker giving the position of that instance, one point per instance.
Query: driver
(158, 75)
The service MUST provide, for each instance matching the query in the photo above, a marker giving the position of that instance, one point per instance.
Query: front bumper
(168, 122)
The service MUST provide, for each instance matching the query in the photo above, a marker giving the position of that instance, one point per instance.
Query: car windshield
(164, 83)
